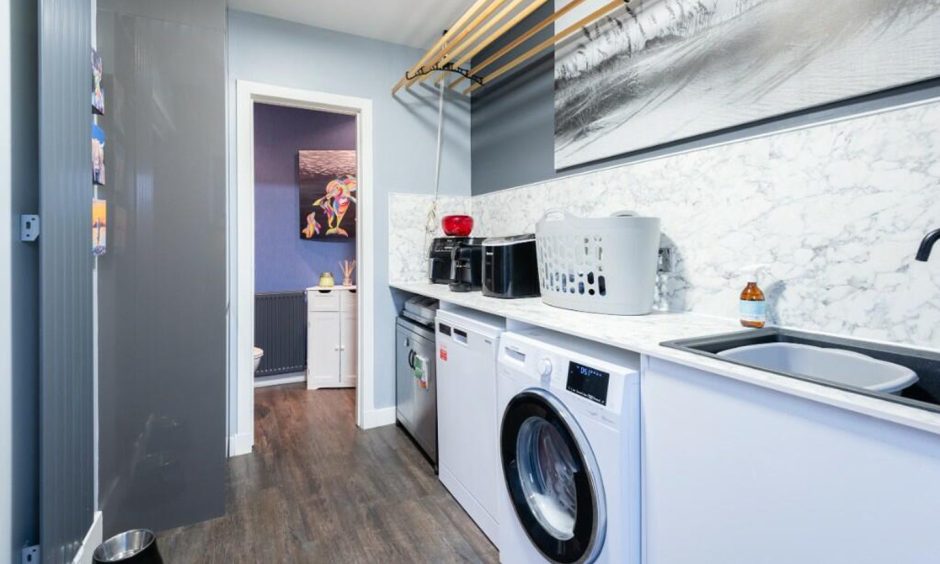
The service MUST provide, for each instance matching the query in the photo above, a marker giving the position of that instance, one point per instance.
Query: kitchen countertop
(643, 334)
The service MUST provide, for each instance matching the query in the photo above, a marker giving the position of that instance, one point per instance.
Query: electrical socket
(665, 263)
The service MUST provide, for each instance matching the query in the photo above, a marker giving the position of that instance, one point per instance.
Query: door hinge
(31, 554)
(29, 228)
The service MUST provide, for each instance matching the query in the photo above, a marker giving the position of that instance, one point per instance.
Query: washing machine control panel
(588, 382)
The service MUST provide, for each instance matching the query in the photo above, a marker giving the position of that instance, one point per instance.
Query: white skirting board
(379, 417)
(240, 443)
(91, 541)
(280, 379)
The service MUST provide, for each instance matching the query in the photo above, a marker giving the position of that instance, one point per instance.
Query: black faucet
(923, 253)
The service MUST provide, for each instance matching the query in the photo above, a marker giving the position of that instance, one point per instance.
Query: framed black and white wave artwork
(656, 71)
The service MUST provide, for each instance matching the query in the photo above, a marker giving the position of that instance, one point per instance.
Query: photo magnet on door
(443, 354)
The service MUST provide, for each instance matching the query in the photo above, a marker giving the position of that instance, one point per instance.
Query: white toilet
(258, 353)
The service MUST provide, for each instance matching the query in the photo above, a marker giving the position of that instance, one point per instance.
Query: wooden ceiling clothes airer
(468, 36)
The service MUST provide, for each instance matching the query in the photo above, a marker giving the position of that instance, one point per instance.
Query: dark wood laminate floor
(318, 489)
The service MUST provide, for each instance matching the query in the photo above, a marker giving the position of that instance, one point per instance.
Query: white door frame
(242, 273)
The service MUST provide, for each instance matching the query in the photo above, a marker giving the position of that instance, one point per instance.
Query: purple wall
(284, 261)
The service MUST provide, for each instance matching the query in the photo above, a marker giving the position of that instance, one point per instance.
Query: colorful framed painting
(328, 184)
(97, 154)
(99, 227)
(97, 93)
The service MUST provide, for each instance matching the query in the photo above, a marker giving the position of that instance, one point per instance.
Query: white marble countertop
(643, 334)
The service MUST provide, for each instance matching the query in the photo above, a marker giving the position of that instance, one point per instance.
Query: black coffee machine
(457, 261)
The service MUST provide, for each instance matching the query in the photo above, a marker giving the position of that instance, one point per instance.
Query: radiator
(281, 331)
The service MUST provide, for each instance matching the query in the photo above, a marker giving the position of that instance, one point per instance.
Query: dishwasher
(415, 375)
(468, 422)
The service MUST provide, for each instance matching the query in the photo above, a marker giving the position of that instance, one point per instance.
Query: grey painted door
(162, 302)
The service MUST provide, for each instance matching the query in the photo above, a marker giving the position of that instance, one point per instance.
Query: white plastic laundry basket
(600, 265)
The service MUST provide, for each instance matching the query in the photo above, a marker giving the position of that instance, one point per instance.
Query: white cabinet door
(738, 473)
(323, 349)
(348, 340)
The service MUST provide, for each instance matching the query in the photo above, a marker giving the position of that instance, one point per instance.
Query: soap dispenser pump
(753, 306)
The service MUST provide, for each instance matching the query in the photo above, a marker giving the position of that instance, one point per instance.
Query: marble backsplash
(412, 221)
(835, 211)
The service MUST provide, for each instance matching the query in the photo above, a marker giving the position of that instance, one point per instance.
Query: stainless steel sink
(897, 374)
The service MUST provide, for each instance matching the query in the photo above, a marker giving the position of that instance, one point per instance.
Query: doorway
(326, 215)
(306, 183)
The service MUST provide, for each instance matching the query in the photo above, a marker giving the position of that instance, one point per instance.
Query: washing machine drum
(552, 477)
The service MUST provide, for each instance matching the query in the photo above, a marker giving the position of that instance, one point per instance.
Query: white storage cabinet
(331, 337)
(735, 473)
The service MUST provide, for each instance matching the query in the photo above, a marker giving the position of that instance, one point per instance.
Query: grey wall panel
(25, 283)
(162, 284)
(65, 291)
(513, 121)
(199, 13)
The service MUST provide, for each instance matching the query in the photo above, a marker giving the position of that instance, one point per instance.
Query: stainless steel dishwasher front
(416, 394)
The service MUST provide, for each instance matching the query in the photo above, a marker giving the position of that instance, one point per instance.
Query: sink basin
(853, 365)
(833, 365)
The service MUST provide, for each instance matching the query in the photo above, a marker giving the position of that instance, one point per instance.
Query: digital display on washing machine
(588, 382)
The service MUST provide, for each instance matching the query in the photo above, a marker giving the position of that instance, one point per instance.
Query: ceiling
(417, 23)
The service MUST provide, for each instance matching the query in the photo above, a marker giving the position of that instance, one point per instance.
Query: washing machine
(569, 445)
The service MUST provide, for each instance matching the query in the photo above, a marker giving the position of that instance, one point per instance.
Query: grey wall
(513, 121)
(24, 291)
(286, 54)
(66, 380)
(162, 282)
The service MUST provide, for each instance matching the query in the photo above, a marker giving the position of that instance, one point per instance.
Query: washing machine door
(552, 478)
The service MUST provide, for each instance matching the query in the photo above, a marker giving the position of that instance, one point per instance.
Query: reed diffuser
(347, 267)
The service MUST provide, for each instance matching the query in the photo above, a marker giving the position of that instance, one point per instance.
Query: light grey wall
(24, 198)
(277, 52)
(162, 282)
(6, 274)
(513, 122)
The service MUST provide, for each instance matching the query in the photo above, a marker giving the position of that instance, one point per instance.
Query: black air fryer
(466, 266)
(510, 267)
(439, 257)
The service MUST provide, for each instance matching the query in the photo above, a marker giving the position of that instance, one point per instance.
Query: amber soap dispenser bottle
(753, 307)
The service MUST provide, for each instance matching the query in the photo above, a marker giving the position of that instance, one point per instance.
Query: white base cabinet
(738, 474)
(331, 337)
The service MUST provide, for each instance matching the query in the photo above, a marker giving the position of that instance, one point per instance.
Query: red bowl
(457, 225)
